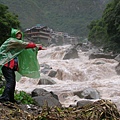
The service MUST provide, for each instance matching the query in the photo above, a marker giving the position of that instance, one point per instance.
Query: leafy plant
(1, 90)
(23, 97)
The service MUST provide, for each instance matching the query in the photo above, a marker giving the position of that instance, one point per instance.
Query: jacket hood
(14, 32)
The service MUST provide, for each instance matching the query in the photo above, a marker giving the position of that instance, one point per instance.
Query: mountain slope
(70, 16)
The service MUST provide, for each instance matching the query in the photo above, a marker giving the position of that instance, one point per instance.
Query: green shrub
(1, 90)
(23, 97)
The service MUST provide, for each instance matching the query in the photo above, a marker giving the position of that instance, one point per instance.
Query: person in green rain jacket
(17, 56)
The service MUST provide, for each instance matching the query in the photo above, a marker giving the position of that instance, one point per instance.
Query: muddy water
(75, 75)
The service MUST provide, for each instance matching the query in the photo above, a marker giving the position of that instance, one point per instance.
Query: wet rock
(39, 92)
(117, 58)
(43, 92)
(54, 95)
(88, 93)
(46, 80)
(52, 73)
(47, 101)
(43, 97)
(84, 102)
(71, 54)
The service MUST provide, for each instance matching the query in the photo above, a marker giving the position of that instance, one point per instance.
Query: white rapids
(75, 75)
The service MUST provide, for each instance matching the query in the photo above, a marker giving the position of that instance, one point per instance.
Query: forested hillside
(70, 16)
(105, 32)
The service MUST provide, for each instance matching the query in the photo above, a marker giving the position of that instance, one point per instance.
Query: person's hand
(40, 47)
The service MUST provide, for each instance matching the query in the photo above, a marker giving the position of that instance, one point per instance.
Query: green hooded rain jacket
(27, 58)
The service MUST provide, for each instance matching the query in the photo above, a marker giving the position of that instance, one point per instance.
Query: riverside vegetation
(105, 32)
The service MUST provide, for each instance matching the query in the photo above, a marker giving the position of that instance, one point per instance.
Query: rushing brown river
(75, 75)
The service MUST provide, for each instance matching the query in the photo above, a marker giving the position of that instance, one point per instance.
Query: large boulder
(88, 93)
(43, 92)
(47, 101)
(43, 97)
(71, 54)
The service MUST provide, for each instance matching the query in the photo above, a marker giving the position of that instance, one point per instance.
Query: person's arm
(33, 45)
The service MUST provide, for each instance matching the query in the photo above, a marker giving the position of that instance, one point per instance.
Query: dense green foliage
(98, 33)
(7, 21)
(21, 96)
(71, 16)
(106, 31)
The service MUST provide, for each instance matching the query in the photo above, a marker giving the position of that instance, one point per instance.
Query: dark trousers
(9, 74)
